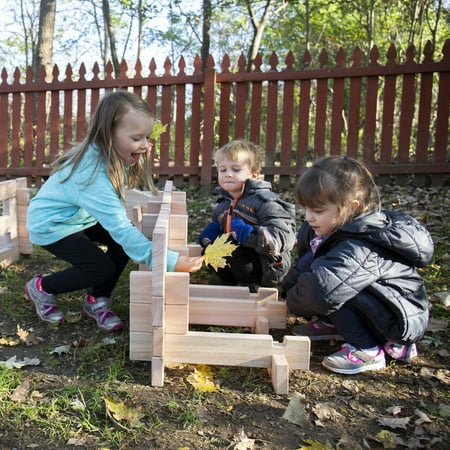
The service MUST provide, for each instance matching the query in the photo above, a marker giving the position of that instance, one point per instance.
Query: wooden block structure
(14, 201)
(163, 305)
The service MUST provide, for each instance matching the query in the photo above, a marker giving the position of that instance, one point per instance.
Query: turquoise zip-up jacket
(87, 197)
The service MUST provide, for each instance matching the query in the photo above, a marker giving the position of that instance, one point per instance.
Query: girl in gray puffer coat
(355, 276)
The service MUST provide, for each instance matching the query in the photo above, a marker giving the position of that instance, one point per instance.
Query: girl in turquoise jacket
(79, 214)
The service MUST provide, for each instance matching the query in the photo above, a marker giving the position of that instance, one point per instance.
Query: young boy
(260, 222)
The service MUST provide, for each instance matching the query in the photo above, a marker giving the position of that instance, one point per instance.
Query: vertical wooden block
(158, 341)
(280, 374)
(157, 371)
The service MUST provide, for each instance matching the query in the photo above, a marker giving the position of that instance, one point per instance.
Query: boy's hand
(241, 230)
(209, 234)
(189, 263)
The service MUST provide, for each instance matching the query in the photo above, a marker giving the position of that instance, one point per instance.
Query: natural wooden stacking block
(14, 200)
(163, 305)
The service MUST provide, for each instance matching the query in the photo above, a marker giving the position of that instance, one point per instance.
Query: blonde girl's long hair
(338, 180)
(108, 115)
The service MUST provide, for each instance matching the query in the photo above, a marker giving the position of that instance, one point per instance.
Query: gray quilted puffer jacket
(371, 263)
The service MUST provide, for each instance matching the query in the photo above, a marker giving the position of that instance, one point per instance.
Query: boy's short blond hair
(243, 151)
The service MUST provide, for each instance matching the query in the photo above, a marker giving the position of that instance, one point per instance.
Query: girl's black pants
(96, 260)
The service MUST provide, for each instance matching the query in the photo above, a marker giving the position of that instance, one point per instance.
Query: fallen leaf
(423, 418)
(326, 411)
(21, 392)
(444, 410)
(394, 423)
(14, 363)
(202, 379)
(216, 253)
(108, 341)
(394, 410)
(72, 316)
(435, 325)
(61, 349)
(77, 405)
(295, 411)
(119, 411)
(388, 439)
(315, 445)
(27, 336)
(7, 341)
(347, 442)
(444, 297)
(242, 442)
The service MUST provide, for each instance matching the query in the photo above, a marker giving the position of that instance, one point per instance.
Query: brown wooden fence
(394, 116)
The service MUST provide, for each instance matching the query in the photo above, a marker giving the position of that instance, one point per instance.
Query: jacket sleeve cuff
(172, 258)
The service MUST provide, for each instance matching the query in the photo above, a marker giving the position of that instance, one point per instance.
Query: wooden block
(177, 319)
(140, 346)
(153, 207)
(236, 349)
(177, 288)
(8, 226)
(194, 250)
(141, 317)
(21, 182)
(135, 197)
(7, 189)
(157, 311)
(280, 374)
(23, 195)
(159, 261)
(8, 255)
(222, 312)
(207, 307)
(178, 208)
(148, 224)
(218, 291)
(157, 371)
(135, 215)
(178, 228)
(262, 325)
(158, 341)
(179, 197)
(140, 286)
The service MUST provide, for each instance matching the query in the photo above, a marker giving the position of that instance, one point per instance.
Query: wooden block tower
(163, 305)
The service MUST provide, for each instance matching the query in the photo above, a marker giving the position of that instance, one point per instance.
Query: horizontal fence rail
(393, 116)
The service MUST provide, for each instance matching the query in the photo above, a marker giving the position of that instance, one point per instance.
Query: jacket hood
(396, 232)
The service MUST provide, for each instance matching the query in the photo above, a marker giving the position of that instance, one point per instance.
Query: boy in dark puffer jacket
(260, 222)
(355, 276)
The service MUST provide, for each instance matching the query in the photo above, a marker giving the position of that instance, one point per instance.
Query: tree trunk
(111, 36)
(206, 36)
(43, 53)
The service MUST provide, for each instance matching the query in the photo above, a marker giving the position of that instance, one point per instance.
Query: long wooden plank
(235, 349)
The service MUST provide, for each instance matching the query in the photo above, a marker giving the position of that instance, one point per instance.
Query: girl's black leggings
(94, 268)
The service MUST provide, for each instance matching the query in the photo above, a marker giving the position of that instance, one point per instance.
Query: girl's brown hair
(108, 115)
(338, 180)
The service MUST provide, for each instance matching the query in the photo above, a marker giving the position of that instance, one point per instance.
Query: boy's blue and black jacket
(273, 219)
(370, 264)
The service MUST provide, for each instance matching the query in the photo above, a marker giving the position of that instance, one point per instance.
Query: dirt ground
(402, 406)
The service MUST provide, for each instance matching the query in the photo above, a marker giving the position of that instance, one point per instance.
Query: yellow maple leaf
(216, 252)
(158, 130)
(119, 411)
(202, 380)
